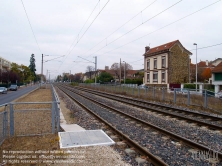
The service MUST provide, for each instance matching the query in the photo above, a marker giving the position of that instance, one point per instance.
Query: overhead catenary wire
(137, 27)
(83, 26)
(160, 28)
(165, 27)
(120, 27)
(189, 50)
(31, 27)
(86, 30)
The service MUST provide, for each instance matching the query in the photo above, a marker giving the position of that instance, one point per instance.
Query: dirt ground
(44, 149)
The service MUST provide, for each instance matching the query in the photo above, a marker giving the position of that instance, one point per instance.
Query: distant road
(12, 95)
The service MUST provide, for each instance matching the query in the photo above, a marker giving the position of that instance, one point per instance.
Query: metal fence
(189, 97)
(57, 105)
(3, 123)
(30, 118)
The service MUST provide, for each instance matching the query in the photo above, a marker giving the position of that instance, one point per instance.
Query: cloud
(57, 24)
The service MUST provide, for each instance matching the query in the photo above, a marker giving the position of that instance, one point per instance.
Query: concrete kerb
(63, 124)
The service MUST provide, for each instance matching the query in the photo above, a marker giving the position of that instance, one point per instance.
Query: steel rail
(152, 158)
(212, 126)
(165, 132)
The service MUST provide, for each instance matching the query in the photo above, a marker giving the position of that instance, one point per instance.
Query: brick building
(167, 63)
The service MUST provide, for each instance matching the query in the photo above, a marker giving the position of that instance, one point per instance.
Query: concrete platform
(71, 127)
(68, 127)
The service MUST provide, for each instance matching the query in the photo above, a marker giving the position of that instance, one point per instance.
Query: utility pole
(47, 76)
(95, 67)
(42, 70)
(120, 71)
(94, 63)
(124, 72)
(196, 65)
(69, 75)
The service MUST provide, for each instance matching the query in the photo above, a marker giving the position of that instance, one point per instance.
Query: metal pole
(196, 64)
(205, 99)
(189, 67)
(11, 120)
(196, 67)
(120, 72)
(174, 96)
(95, 67)
(42, 70)
(188, 97)
(124, 73)
(163, 95)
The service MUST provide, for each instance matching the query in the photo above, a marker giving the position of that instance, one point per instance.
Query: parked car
(209, 93)
(143, 86)
(3, 90)
(13, 87)
(184, 91)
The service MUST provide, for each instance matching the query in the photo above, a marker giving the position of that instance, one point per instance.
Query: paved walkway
(68, 127)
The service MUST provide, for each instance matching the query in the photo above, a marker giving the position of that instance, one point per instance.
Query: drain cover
(84, 138)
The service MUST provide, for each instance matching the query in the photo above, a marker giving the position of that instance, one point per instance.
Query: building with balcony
(4, 64)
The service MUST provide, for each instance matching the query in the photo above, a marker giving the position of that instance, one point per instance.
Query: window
(163, 76)
(148, 64)
(155, 76)
(218, 76)
(163, 62)
(155, 63)
(148, 77)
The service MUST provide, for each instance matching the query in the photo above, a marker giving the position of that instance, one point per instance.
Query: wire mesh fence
(32, 118)
(3, 123)
(190, 97)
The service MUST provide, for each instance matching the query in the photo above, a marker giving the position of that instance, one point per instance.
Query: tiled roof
(218, 68)
(202, 64)
(163, 47)
(129, 72)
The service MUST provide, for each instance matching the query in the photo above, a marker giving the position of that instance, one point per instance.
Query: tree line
(20, 74)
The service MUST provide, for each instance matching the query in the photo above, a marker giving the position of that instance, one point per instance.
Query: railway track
(142, 128)
(201, 119)
(153, 159)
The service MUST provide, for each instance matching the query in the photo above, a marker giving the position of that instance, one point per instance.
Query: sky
(70, 33)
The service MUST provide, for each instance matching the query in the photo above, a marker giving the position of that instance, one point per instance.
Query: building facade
(167, 63)
(4, 64)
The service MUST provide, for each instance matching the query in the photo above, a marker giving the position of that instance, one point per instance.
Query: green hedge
(191, 86)
(133, 81)
(74, 83)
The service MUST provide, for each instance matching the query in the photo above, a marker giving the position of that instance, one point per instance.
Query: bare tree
(89, 71)
(116, 68)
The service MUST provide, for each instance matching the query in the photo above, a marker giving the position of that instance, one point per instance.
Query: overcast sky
(122, 29)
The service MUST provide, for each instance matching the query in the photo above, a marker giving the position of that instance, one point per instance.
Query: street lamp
(196, 64)
(124, 72)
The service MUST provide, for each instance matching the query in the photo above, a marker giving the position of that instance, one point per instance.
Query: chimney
(207, 62)
(106, 67)
(147, 48)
